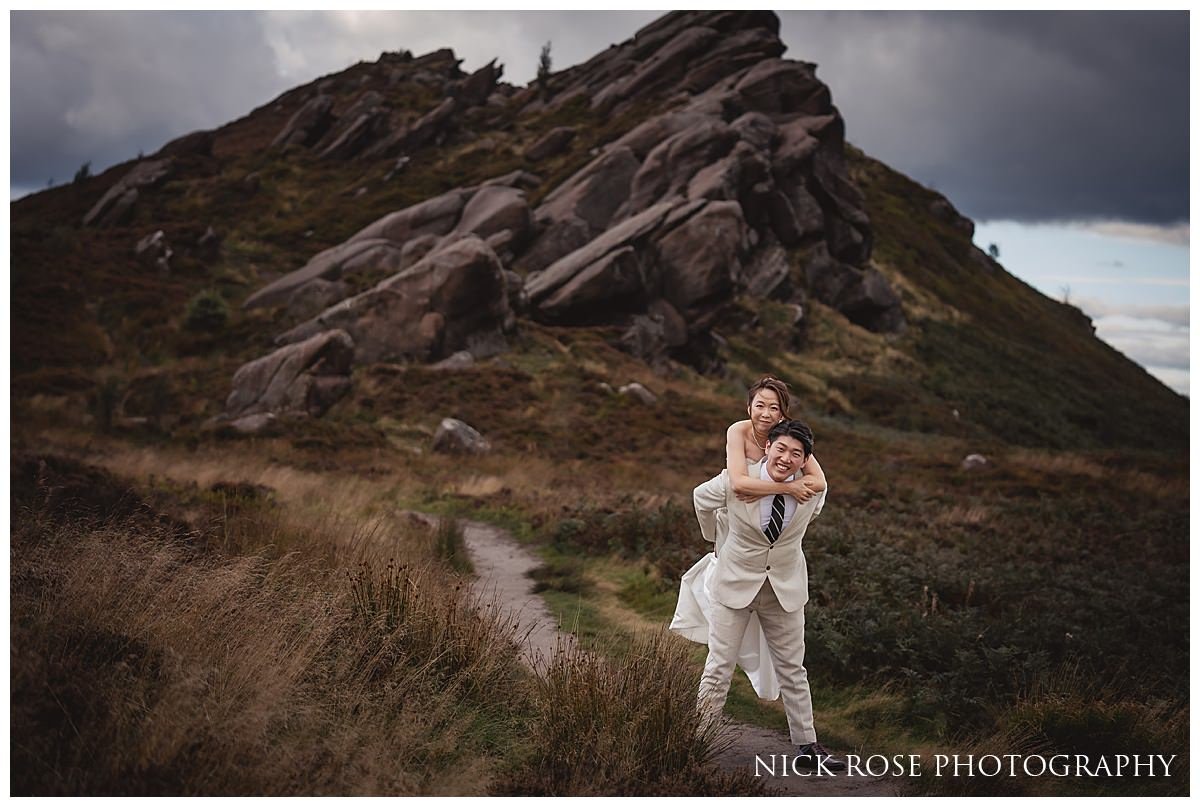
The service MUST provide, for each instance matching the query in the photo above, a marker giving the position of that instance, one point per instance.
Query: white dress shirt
(789, 502)
(764, 504)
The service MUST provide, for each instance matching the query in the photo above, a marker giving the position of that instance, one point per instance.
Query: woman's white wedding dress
(694, 607)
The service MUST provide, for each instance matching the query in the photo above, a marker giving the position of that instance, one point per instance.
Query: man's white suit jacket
(745, 558)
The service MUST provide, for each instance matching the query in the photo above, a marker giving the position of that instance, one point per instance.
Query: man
(760, 569)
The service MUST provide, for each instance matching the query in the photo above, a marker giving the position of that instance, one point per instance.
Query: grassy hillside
(1026, 367)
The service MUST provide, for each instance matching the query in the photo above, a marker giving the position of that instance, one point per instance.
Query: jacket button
(768, 568)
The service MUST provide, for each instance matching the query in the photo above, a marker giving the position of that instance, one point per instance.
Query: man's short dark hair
(796, 429)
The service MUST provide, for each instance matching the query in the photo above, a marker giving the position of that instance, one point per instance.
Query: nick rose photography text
(1062, 765)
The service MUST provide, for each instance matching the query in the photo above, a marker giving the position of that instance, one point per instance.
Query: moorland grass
(168, 639)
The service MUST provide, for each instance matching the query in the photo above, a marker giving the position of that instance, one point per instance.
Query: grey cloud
(310, 42)
(1176, 379)
(100, 86)
(1177, 315)
(1022, 116)
(1148, 350)
(1177, 234)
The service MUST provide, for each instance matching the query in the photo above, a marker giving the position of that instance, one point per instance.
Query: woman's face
(765, 410)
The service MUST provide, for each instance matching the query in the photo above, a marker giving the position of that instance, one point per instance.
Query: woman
(767, 403)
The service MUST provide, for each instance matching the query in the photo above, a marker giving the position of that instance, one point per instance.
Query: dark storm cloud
(1025, 116)
(100, 86)
(1033, 117)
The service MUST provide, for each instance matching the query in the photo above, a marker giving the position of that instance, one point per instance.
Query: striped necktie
(775, 526)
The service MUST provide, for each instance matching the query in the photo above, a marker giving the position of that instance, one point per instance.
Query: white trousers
(785, 639)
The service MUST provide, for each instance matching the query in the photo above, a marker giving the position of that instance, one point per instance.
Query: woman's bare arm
(813, 475)
(747, 488)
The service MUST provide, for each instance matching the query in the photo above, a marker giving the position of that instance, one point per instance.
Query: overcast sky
(1033, 118)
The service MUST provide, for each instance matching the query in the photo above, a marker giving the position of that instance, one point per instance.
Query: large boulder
(848, 229)
(872, 303)
(476, 88)
(671, 165)
(114, 206)
(614, 283)
(551, 143)
(361, 132)
(309, 123)
(593, 193)
(540, 285)
(783, 86)
(493, 209)
(437, 215)
(303, 379)
(744, 176)
(331, 264)
(758, 130)
(734, 52)
(453, 296)
(315, 296)
(581, 208)
(453, 436)
(864, 297)
(644, 137)
(667, 64)
(430, 126)
(700, 259)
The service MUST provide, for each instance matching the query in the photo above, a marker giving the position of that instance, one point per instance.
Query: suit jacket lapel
(798, 518)
(747, 512)
(750, 510)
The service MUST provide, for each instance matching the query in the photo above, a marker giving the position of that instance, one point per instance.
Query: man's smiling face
(785, 457)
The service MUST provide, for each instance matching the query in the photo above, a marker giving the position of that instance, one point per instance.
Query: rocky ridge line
(736, 187)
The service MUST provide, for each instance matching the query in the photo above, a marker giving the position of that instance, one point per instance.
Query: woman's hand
(803, 489)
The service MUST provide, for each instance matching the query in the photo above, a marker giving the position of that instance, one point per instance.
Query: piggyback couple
(746, 598)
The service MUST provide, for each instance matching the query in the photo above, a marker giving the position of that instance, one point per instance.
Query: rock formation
(298, 380)
(118, 201)
(735, 187)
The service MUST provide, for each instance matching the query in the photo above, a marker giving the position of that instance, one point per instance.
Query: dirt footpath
(502, 566)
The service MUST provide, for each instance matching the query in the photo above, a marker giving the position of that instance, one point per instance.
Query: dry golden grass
(1059, 464)
(140, 668)
(964, 515)
(152, 661)
(625, 725)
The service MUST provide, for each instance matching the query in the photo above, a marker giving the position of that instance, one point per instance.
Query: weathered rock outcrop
(453, 296)
(372, 127)
(303, 379)
(749, 159)
(153, 250)
(495, 212)
(309, 123)
(115, 205)
(551, 143)
(456, 437)
(735, 187)
(331, 264)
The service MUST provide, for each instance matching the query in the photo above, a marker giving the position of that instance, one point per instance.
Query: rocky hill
(685, 201)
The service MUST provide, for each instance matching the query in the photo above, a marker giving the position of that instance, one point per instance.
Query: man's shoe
(814, 757)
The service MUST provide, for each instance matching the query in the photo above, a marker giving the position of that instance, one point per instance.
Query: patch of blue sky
(1132, 280)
